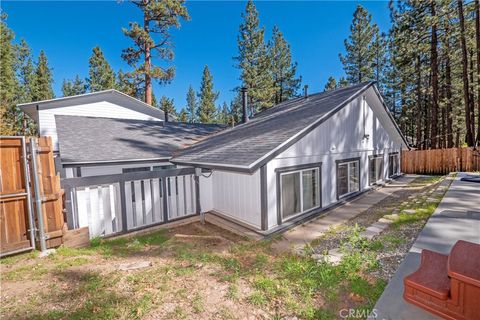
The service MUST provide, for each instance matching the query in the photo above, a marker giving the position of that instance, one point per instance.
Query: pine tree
(8, 81)
(342, 83)
(283, 70)
(25, 72)
(158, 18)
(235, 110)
(25, 78)
(380, 60)
(253, 61)
(331, 84)
(359, 59)
(207, 97)
(191, 105)
(183, 115)
(223, 114)
(42, 87)
(127, 85)
(167, 106)
(100, 75)
(73, 88)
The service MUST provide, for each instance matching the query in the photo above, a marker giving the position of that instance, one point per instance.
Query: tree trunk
(477, 40)
(434, 68)
(466, 87)
(472, 97)
(418, 118)
(448, 93)
(148, 61)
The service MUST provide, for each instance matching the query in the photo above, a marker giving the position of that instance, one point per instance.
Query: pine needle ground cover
(201, 271)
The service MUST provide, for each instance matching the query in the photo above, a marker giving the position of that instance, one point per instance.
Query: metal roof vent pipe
(244, 105)
(305, 91)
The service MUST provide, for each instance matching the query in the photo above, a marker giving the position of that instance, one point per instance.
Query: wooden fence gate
(19, 225)
(16, 216)
(440, 161)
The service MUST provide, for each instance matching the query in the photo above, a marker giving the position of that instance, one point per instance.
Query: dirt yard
(193, 271)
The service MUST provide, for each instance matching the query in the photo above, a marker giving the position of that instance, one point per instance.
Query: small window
(138, 169)
(348, 177)
(375, 169)
(393, 164)
(299, 192)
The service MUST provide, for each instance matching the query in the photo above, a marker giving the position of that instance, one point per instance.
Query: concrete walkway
(456, 218)
(296, 238)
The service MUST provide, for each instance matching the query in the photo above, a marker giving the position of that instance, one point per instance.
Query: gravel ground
(396, 241)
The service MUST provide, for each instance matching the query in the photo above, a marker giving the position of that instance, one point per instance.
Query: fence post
(165, 199)
(123, 206)
(38, 196)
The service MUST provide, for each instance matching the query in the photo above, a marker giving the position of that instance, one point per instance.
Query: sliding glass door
(348, 177)
(299, 191)
(375, 169)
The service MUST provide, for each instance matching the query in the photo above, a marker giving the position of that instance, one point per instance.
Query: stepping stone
(369, 234)
(384, 220)
(432, 200)
(372, 231)
(391, 217)
(134, 265)
(395, 211)
(409, 211)
(334, 256)
(380, 225)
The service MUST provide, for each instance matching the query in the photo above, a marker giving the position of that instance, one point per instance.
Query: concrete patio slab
(296, 238)
(456, 218)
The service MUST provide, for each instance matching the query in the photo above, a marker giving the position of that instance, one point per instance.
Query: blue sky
(68, 30)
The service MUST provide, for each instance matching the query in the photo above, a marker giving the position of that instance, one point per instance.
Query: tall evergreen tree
(380, 60)
(223, 114)
(253, 61)
(331, 84)
(8, 81)
(191, 105)
(207, 97)
(183, 115)
(100, 75)
(25, 72)
(74, 87)
(25, 77)
(342, 83)
(42, 85)
(167, 106)
(127, 85)
(158, 18)
(283, 70)
(359, 59)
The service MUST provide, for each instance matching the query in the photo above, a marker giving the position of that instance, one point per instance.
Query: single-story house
(282, 166)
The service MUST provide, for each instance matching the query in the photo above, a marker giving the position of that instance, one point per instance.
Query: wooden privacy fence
(19, 224)
(121, 203)
(16, 216)
(440, 161)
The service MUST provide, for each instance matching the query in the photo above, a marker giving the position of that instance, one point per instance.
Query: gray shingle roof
(248, 145)
(90, 139)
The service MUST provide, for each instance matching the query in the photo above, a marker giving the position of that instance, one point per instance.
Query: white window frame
(300, 171)
(347, 162)
(396, 172)
(382, 176)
